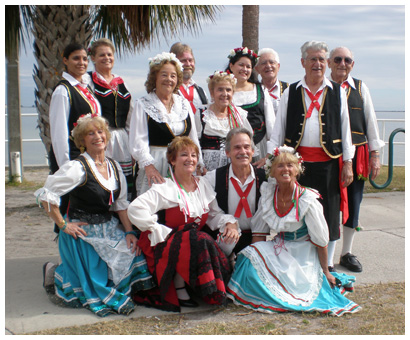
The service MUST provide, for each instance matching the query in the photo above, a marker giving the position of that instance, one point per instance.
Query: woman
(219, 119)
(289, 273)
(170, 216)
(101, 265)
(116, 104)
(71, 98)
(250, 96)
(157, 118)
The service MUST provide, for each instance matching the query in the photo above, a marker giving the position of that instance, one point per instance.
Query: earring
(82, 149)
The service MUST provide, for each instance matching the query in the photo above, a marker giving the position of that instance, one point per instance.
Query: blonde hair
(154, 69)
(101, 42)
(179, 143)
(286, 157)
(219, 78)
(84, 126)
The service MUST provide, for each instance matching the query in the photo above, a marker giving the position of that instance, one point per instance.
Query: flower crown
(221, 74)
(82, 117)
(243, 51)
(165, 56)
(277, 152)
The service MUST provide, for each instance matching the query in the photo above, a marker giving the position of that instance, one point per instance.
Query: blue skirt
(247, 289)
(84, 279)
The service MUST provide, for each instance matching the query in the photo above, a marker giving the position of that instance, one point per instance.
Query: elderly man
(365, 136)
(268, 66)
(313, 118)
(237, 184)
(189, 89)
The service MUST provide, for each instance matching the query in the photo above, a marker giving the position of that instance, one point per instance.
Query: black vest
(114, 104)
(256, 115)
(356, 113)
(89, 201)
(160, 134)
(283, 86)
(329, 119)
(201, 94)
(222, 186)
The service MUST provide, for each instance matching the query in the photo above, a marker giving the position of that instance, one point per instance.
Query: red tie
(345, 84)
(271, 90)
(189, 97)
(243, 202)
(315, 103)
(91, 99)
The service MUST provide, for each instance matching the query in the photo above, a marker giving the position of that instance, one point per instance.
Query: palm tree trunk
(250, 26)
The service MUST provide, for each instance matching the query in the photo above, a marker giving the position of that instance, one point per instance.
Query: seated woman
(289, 273)
(101, 265)
(221, 116)
(170, 216)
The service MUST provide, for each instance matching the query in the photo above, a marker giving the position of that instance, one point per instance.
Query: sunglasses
(338, 60)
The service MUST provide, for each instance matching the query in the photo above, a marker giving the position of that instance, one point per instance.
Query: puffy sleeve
(69, 176)
(121, 202)
(316, 224)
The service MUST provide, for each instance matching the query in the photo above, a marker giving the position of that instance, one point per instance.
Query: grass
(382, 313)
(397, 183)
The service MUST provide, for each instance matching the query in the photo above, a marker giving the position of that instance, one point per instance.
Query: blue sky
(376, 35)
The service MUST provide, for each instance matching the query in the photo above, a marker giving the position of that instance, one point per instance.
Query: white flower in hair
(245, 50)
(221, 74)
(232, 53)
(277, 152)
(165, 56)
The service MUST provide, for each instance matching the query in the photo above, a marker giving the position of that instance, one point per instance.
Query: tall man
(237, 184)
(189, 89)
(268, 66)
(365, 136)
(314, 119)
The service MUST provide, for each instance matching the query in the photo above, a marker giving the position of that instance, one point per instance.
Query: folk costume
(231, 195)
(319, 129)
(70, 100)
(285, 274)
(97, 271)
(152, 128)
(275, 92)
(195, 95)
(171, 220)
(213, 132)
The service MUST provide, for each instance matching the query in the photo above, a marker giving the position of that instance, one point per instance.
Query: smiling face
(166, 79)
(285, 169)
(222, 94)
(103, 59)
(185, 161)
(76, 64)
(242, 69)
(341, 64)
(241, 151)
(188, 62)
(95, 139)
(268, 67)
(314, 65)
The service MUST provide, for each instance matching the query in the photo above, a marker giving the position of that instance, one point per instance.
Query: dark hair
(254, 76)
(70, 48)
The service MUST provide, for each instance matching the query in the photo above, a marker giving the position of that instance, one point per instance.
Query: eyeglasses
(338, 60)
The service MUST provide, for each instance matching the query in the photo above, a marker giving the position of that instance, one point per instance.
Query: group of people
(175, 196)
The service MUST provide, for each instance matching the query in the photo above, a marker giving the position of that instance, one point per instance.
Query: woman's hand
(74, 229)
(259, 164)
(230, 234)
(153, 175)
(132, 241)
(331, 279)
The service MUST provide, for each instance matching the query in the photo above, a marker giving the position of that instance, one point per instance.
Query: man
(268, 66)
(365, 136)
(313, 118)
(189, 89)
(237, 184)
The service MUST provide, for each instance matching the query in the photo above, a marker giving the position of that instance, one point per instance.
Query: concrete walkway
(380, 248)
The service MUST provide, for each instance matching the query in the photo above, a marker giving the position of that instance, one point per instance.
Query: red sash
(314, 103)
(243, 202)
(189, 97)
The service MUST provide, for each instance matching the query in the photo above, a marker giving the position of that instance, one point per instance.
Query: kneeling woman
(170, 216)
(101, 265)
(290, 272)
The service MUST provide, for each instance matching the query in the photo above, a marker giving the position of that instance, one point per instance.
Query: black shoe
(350, 262)
(188, 303)
(332, 269)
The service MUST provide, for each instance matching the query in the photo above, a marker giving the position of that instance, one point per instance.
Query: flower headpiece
(277, 152)
(165, 56)
(221, 74)
(82, 117)
(244, 51)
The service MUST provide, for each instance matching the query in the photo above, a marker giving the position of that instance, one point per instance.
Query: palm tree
(250, 26)
(129, 27)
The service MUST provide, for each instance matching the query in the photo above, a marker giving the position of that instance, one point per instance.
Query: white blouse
(142, 211)
(72, 174)
(310, 212)
(138, 126)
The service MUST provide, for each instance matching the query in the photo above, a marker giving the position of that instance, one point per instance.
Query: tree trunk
(54, 28)
(250, 26)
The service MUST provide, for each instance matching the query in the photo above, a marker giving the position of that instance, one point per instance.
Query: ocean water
(34, 153)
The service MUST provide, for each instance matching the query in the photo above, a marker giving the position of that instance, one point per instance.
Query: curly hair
(151, 81)
(216, 78)
(84, 126)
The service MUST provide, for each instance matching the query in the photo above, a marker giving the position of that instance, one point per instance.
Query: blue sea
(34, 153)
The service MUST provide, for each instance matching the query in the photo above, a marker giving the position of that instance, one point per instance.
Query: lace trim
(157, 111)
(215, 123)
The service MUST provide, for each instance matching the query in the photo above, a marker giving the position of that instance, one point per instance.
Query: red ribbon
(189, 97)
(89, 96)
(315, 103)
(271, 90)
(243, 201)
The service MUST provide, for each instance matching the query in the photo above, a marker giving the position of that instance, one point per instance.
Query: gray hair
(314, 45)
(336, 48)
(268, 51)
(236, 131)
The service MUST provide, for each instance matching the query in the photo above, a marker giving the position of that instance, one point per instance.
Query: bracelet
(133, 232)
(64, 225)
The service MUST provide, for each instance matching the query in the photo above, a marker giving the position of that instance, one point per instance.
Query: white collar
(326, 82)
(250, 178)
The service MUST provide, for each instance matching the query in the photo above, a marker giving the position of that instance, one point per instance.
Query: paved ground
(380, 248)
